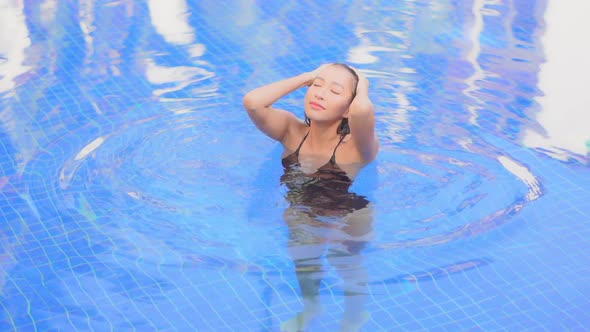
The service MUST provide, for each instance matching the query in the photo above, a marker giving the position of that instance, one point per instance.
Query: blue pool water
(135, 193)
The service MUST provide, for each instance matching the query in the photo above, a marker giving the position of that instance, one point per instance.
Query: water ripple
(434, 199)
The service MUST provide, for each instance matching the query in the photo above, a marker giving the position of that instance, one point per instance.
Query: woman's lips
(316, 106)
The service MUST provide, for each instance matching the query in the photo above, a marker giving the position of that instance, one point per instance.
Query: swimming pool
(137, 195)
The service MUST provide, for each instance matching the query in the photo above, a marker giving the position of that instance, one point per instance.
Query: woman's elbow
(249, 102)
(252, 102)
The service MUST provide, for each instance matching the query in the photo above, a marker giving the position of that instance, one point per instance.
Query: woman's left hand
(363, 83)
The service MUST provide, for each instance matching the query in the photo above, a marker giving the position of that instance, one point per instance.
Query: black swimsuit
(325, 191)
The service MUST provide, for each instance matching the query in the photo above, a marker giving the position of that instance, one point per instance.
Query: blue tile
(135, 192)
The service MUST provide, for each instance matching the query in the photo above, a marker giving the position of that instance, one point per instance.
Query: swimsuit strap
(301, 144)
(333, 159)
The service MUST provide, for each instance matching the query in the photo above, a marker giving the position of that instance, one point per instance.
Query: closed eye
(318, 81)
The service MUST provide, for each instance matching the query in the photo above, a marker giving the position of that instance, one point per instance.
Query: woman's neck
(322, 136)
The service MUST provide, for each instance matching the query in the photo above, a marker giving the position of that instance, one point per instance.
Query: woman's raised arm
(258, 103)
(361, 120)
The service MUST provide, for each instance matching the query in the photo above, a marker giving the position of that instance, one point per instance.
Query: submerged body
(325, 191)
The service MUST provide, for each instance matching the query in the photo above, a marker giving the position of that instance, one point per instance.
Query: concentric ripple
(432, 198)
(170, 175)
(167, 175)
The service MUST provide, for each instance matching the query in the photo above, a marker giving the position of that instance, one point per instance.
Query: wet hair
(355, 77)
(343, 128)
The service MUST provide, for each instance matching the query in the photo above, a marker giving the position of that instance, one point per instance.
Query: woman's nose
(319, 93)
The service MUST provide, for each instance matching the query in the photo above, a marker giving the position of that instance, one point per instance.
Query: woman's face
(329, 95)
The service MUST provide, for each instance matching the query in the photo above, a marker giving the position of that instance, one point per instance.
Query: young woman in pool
(339, 129)
(322, 155)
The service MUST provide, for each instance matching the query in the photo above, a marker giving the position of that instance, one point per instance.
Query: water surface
(137, 194)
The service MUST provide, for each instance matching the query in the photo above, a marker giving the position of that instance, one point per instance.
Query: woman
(337, 102)
(322, 155)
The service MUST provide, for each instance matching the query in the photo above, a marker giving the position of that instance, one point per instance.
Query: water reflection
(14, 40)
(564, 79)
(104, 49)
(171, 21)
(21, 64)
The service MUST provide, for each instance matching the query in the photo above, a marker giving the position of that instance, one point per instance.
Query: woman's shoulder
(294, 135)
